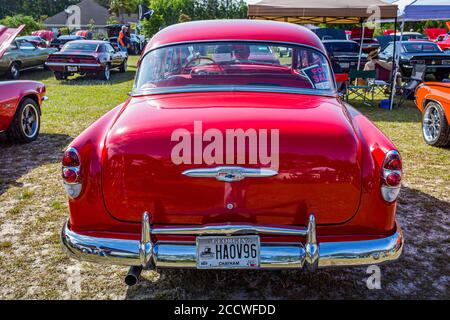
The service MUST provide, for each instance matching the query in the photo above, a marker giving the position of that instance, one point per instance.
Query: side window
(24, 45)
(109, 48)
(389, 50)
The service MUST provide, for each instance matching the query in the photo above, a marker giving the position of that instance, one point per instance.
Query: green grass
(33, 208)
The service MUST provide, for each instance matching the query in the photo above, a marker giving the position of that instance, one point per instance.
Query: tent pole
(394, 66)
(361, 44)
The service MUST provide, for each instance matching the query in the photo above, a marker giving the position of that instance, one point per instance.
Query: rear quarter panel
(434, 91)
(12, 93)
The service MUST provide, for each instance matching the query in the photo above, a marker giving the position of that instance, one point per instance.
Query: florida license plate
(72, 68)
(232, 252)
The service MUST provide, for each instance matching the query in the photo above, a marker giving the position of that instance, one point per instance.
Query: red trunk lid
(319, 167)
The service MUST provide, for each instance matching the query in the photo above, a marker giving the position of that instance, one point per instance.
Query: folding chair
(381, 83)
(361, 91)
(408, 89)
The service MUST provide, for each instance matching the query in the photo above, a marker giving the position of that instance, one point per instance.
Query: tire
(26, 123)
(123, 67)
(105, 74)
(60, 75)
(14, 71)
(435, 128)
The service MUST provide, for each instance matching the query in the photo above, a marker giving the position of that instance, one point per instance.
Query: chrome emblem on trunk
(230, 174)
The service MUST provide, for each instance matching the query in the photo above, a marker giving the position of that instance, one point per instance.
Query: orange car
(433, 99)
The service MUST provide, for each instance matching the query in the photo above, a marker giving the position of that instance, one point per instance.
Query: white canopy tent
(418, 10)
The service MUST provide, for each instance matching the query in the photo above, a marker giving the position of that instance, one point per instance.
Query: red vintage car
(20, 109)
(87, 57)
(220, 161)
(443, 41)
(433, 100)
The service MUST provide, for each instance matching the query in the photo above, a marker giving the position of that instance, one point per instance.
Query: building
(83, 15)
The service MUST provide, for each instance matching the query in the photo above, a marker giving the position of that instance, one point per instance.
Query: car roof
(339, 40)
(89, 41)
(217, 30)
(69, 37)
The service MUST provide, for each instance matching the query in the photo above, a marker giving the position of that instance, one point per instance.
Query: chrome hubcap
(29, 121)
(14, 71)
(431, 123)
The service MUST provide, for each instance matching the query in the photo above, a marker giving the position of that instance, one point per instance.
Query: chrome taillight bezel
(390, 193)
(73, 189)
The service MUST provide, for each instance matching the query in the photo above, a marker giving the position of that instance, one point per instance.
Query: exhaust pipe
(133, 275)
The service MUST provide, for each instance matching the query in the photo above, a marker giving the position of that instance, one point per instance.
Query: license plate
(72, 68)
(233, 252)
(345, 65)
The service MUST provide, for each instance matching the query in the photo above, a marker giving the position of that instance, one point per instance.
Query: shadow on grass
(18, 159)
(419, 273)
(86, 80)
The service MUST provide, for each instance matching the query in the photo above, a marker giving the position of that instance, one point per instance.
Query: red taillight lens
(70, 158)
(391, 176)
(393, 179)
(70, 175)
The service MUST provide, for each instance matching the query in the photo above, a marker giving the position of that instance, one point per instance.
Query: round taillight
(70, 158)
(393, 179)
(70, 175)
(392, 161)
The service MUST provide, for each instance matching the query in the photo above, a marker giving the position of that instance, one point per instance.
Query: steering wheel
(199, 58)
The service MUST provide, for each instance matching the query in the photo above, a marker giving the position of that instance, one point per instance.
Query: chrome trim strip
(230, 174)
(230, 230)
(273, 255)
(65, 64)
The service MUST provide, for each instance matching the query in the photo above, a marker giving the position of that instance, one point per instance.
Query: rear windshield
(80, 46)
(422, 47)
(234, 65)
(341, 47)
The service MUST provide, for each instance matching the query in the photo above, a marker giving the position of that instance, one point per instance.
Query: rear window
(236, 66)
(80, 46)
(421, 47)
(341, 47)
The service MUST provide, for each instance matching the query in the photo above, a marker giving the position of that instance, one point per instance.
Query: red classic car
(443, 41)
(87, 57)
(20, 109)
(226, 161)
(433, 100)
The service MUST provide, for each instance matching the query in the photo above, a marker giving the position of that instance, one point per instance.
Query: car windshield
(234, 65)
(333, 47)
(421, 47)
(80, 46)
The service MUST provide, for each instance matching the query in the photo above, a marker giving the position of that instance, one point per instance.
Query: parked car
(20, 109)
(433, 100)
(345, 53)
(369, 43)
(86, 34)
(420, 52)
(443, 41)
(137, 42)
(36, 40)
(47, 35)
(17, 55)
(433, 33)
(140, 196)
(62, 40)
(330, 34)
(87, 57)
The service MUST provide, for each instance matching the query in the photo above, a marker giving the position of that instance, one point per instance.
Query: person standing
(123, 40)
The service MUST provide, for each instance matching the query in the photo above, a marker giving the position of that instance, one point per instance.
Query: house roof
(89, 10)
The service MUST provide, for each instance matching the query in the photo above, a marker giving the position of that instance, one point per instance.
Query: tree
(112, 20)
(184, 18)
(120, 7)
(17, 20)
(153, 25)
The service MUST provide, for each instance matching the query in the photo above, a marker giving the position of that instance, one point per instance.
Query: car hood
(7, 36)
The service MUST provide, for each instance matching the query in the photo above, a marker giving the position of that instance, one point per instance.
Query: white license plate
(72, 69)
(345, 65)
(233, 252)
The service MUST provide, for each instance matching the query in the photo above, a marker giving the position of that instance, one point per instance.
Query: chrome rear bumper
(290, 255)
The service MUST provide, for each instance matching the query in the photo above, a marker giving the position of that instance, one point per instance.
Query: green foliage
(18, 20)
(112, 20)
(184, 18)
(120, 7)
(152, 26)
